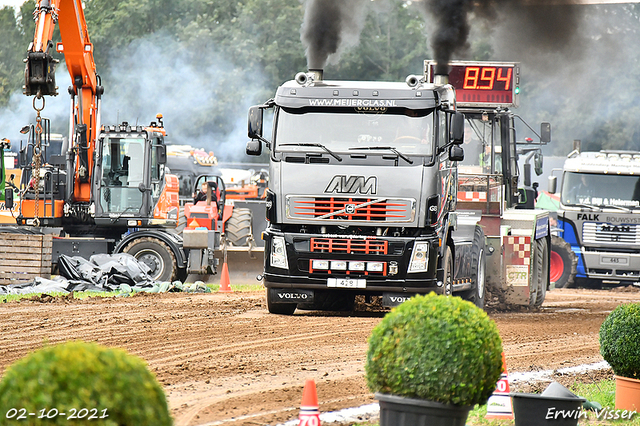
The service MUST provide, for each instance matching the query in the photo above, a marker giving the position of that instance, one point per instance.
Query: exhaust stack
(440, 79)
(316, 74)
(307, 78)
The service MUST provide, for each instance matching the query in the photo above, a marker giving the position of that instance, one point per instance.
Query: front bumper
(367, 265)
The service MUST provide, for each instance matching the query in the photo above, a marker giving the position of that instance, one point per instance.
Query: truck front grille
(331, 245)
(350, 209)
(607, 233)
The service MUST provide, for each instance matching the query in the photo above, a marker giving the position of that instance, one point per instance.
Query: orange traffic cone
(309, 409)
(499, 403)
(224, 280)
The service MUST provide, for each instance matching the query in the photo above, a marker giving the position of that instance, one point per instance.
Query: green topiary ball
(82, 380)
(436, 348)
(620, 340)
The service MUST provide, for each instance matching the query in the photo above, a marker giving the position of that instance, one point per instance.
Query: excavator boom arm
(85, 90)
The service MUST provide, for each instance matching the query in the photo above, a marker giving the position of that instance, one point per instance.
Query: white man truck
(598, 216)
(363, 195)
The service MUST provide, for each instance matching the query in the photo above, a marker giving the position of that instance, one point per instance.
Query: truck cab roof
(358, 94)
(611, 162)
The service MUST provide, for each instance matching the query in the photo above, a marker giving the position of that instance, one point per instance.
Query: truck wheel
(478, 269)
(156, 255)
(564, 263)
(238, 229)
(540, 274)
(279, 308)
(447, 271)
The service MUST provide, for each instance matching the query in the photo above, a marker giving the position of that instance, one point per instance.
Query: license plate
(346, 283)
(614, 260)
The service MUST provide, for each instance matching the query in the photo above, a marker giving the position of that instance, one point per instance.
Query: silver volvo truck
(362, 196)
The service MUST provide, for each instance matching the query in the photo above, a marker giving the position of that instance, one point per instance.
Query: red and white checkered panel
(472, 196)
(517, 250)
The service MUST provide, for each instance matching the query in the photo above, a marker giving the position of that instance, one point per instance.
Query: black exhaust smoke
(328, 27)
(533, 23)
(543, 25)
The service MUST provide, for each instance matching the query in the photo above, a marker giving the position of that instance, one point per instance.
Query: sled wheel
(540, 273)
(238, 229)
(563, 264)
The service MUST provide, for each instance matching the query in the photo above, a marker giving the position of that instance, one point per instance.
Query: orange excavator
(108, 191)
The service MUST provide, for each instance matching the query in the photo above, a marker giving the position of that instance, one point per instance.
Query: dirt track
(223, 359)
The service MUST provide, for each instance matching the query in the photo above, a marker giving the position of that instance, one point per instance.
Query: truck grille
(351, 209)
(330, 245)
(598, 232)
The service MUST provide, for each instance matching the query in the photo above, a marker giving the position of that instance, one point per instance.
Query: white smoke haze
(203, 99)
(19, 112)
(584, 84)
(581, 81)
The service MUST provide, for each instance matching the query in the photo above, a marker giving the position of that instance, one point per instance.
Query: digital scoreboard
(481, 84)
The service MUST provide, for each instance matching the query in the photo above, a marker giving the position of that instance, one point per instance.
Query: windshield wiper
(319, 145)
(586, 206)
(624, 209)
(390, 148)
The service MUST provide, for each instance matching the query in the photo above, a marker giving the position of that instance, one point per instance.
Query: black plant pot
(539, 410)
(401, 411)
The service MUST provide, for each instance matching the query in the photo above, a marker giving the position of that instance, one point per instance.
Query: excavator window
(122, 171)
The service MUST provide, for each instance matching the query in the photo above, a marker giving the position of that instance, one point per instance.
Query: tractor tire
(279, 308)
(156, 255)
(540, 273)
(563, 265)
(478, 270)
(239, 228)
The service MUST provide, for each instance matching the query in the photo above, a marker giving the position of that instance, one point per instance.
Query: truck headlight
(339, 265)
(375, 266)
(419, 258)
(320, 264)
(278, 257)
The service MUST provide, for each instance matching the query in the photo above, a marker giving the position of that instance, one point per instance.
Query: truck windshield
(601, 190)
(408, 131)
(122, 172)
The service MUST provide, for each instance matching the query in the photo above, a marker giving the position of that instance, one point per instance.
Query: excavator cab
(129, 175)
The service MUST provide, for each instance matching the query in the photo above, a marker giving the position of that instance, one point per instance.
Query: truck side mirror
(457, 128)
(161, 154)
(255, 122)
(553, 184)
(254, 147)
(537, 163)
(8, 198)
(545, 132)
(456, 153)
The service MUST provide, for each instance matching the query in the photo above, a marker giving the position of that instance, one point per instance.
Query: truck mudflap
(290, 295)
(390, 300)
(307, 297)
